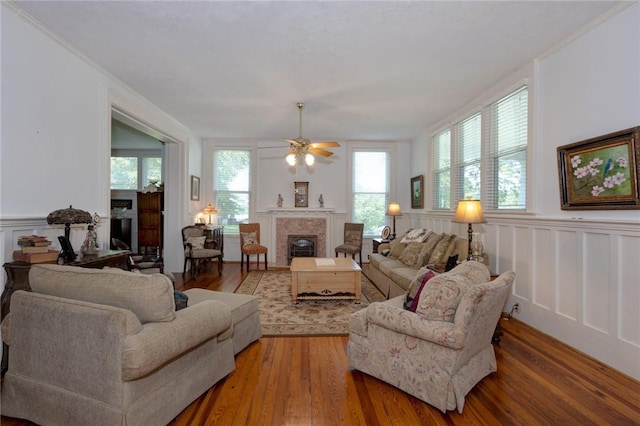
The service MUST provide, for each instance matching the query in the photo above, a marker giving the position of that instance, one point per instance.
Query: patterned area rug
(280, 317)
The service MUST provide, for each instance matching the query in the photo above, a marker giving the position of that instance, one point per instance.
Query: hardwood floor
(306, 381)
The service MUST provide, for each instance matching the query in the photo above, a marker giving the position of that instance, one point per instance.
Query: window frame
(231, 229)
(142, 172)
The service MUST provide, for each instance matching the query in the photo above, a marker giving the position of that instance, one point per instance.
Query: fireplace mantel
(300, 211)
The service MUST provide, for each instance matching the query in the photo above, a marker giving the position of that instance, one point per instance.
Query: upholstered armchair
(442, 350)
(352, 241)
(250, 244)
(196, 250)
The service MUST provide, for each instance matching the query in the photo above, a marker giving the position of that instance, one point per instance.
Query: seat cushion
(205, 253)
(253, 249)
(149, 297)
(348, 248)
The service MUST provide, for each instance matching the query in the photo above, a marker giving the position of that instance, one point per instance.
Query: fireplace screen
(301, 246)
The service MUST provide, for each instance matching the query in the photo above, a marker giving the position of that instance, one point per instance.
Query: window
(508, 136)
(370, 189)
(489, 165)
(442, 170)
(231, 183)
(133, 171)
(468, 147)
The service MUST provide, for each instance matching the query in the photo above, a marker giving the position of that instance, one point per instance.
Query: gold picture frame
(301, 193)
(601, 173)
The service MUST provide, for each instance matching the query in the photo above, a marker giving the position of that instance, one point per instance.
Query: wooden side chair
(352, 241)
(196, 251)
(250, 244)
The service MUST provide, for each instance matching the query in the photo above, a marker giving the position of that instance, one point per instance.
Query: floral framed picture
(417, 192)
(195, 188)
(601, 173)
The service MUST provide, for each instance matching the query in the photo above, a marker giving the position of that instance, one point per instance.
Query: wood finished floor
(306, 381)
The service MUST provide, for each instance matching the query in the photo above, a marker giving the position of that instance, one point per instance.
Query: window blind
(442, 170)
(468, 143)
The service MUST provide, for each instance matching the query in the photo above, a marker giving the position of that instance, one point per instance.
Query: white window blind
(442, 170)
(370, 189)
(507, 152)
(468, 143)
(232, 172)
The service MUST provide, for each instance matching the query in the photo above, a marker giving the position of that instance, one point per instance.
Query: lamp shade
(469, 211)
(394, 209)
(69, 216)
(209, 209)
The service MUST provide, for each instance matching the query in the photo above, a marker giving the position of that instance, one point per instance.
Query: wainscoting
(577, 280)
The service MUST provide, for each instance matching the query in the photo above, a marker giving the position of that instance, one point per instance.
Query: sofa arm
(406, 322)
(160, 342)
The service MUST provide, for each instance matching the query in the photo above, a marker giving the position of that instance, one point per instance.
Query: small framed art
(386, 231)
(601, 173)
(301, 192)
(417, 192)
(195, 188)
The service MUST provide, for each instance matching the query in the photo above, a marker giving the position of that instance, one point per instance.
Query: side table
(376, 243)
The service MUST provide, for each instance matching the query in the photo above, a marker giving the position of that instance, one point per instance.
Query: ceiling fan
(304, 148)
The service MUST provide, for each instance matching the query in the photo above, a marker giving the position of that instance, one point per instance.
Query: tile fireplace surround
(299, 221)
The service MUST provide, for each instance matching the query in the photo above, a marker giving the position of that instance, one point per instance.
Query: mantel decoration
(195, 188)
(601, 173)
(417, 192)
(469, 211)
(301, 191)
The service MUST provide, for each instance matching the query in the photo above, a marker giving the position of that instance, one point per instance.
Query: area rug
(280, 317)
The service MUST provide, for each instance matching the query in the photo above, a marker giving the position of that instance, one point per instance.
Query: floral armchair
(441, 351)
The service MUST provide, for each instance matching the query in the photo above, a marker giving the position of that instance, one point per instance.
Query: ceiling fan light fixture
(309, 159)
(291, 159)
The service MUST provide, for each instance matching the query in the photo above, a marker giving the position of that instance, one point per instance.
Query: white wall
(578, 275)
(56, 114)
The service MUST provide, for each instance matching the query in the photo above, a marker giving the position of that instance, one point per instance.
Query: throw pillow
(197, 243)
(440, 299)
(428, 246)
(411, 255)
(352, 238)
(442, 250)
(249, 238)
(415, 289)
(396, 248)
(416, 235)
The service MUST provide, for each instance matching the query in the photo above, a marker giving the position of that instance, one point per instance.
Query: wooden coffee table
(325, 278)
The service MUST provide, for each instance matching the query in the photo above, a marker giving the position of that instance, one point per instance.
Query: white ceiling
(365, 70)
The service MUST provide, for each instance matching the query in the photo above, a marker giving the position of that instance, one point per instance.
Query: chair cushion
(348, 248)
(441, 296)
(352, 238)
(205, 253)
(411, 254)
(196, 242)
(253, 249)
(149, 297)
(249, 238)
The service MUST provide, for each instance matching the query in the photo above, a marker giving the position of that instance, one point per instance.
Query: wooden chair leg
(220, 265)
(247, 263)
(265, 261)
(241, 261)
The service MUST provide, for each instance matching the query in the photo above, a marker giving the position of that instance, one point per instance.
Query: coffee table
(315, 278)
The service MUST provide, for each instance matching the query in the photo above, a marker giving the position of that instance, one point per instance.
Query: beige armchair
(196, 250)
(436, 360)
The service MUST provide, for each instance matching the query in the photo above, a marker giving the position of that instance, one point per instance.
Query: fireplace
(301, 246)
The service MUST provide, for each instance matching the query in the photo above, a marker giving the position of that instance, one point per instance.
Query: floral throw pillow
(249, 238)
(197, 243)
(411, 255)
(440, 299)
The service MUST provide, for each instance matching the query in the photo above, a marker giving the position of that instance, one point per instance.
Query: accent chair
(250, 244)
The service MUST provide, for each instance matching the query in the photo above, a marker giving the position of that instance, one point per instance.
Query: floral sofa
(442, 349)
(396, 264)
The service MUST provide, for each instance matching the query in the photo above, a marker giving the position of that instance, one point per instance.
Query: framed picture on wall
(195, 188)
(601, 173)
(301, 192)
(417, 192)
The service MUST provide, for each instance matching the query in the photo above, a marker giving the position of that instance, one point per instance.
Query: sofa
(395, 265)
(439, 348)
(91, 346)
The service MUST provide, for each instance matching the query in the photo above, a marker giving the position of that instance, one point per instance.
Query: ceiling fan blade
(325, 144)
(293, 142)
(320, 151)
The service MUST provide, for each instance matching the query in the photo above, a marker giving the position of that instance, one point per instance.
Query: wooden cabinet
(150, 222)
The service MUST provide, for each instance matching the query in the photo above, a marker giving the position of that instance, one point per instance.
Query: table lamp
(469, 211)
(66, 217)
(394, 210)
(210, 210)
